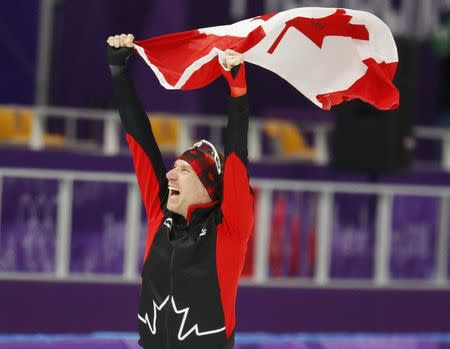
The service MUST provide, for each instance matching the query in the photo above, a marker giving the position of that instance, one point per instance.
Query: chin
(171, 207)
(174, 208)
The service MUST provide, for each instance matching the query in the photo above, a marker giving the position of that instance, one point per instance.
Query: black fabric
(118, 56)
(237, 128)
(117, 69)
(136, 122)
(183, 267)
(235, 70)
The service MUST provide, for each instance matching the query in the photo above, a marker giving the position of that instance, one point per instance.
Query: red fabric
(316, 29)
(209, 72)
(249, 257)
(294, 259)
(230, 256)
(192, 208)
(237, 203)
(238, 84)
(232, 235)
(149, 187)
(276, 236)
(311, 261)
(247, 270)
(193, 46)
(372, 88)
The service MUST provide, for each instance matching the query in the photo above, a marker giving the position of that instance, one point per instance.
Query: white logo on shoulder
(168, 223)
(203, 233)
(182, 332)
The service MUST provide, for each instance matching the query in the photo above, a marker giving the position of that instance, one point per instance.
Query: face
(185, 188)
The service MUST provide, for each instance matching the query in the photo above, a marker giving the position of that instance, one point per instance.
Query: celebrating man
(200, 216)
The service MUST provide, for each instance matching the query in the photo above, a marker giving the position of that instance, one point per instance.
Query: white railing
(266, 188)
(188, 122)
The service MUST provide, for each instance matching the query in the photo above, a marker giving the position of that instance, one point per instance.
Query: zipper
(172, 258)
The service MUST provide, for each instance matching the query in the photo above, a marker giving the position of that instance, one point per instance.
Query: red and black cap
(207, 166)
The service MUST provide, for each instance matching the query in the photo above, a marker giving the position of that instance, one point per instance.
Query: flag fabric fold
(329, 55)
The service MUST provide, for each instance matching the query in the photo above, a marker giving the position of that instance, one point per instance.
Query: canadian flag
(330, 55)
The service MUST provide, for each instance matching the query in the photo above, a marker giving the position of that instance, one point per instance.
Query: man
(200, 216)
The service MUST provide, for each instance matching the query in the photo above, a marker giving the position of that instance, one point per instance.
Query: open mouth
(173, 192)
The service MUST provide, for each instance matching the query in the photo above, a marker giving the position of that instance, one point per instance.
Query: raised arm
(147, 159)
(238, 200)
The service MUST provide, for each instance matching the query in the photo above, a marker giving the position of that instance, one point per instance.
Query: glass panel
(98, 227)
(293, 234)
(414, 227)
(142, 240)
(28, 225)
(353, 230)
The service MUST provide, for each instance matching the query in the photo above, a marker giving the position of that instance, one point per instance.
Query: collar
(199, 211)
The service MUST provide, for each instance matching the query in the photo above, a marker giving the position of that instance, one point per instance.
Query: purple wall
(98, 227)
(83, 308)
(66, 160)
(18, 41)
(28, 225)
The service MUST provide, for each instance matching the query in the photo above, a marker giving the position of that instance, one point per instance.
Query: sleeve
(147, 159)
(238, 200)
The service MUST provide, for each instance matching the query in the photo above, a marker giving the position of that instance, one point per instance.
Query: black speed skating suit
(192, 266)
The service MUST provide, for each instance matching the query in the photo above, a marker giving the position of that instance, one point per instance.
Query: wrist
(236, 80)
(119, 56)
(117, 69)
(238, 91)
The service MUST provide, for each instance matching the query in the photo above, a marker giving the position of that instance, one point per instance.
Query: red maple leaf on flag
(316, 29)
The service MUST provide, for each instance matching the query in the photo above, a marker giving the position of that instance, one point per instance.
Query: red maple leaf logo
(316, 29)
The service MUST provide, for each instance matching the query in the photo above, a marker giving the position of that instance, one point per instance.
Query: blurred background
(351, 240)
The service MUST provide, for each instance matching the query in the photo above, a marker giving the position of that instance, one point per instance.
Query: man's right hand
(232, 59)
(122, 40)
(233, 69)
(120, 48)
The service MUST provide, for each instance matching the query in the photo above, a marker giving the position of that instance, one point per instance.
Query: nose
(171, 175)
